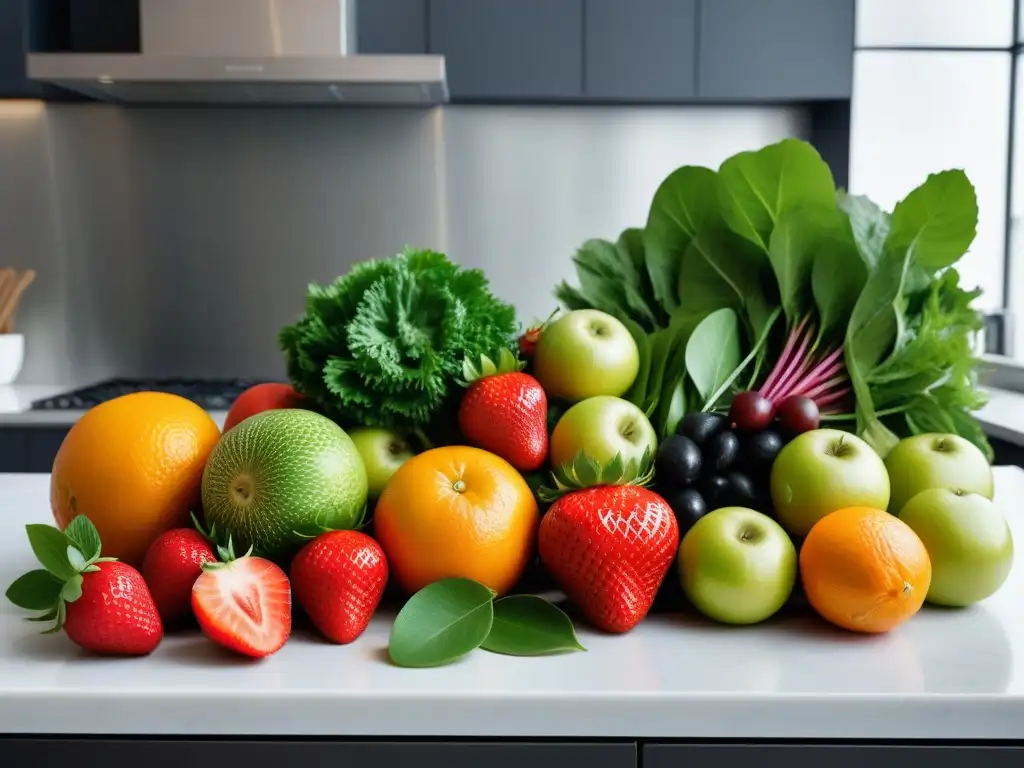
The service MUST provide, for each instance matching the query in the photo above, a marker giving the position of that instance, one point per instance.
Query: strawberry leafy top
(585, 472)
(65, 556)
(473, 371)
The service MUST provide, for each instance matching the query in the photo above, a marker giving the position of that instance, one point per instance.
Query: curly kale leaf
(384, 344)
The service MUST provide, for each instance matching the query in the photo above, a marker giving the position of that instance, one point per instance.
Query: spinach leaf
(638, 392)
(801, 235)
(630, 246)
(869, 223)
(937, 222)
(672, 401)
(611, 281)
(837, 278)
(758, 187)
(684, 205)
(713, 350)
(720, 270)
(757, 353)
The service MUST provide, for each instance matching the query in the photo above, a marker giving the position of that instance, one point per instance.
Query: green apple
(824, 470)
(383, 452)
(584, 354)
(737, 566)
(602, 427)
(936, 461)
(968, 542)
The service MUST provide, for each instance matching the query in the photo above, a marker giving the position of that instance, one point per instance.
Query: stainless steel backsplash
(177, 242)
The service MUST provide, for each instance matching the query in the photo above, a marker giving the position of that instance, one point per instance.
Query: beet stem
(799, 365)
(834, 396)
(822, 388)
(787, 351)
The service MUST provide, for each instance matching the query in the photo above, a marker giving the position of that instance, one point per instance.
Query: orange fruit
(133, 465)
(457, 511)
(864, 569)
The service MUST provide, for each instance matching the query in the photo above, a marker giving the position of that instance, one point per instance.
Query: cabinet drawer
(154, 753)
(832, 755)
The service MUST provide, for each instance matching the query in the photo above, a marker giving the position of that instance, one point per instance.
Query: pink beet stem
(822, 388)
(787, 351)
(834, 396)
(798, 366)
(819, 374)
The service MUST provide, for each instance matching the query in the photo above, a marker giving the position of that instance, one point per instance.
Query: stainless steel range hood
(248, 52)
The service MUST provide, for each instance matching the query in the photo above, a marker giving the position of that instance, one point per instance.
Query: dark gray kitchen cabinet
(104, 26)
(641, 50)
(511, 50)
(775, 50)
(158, 753)
(15, 35)
(14, 442)
(31, 26)
(391, 26)
(43, 444)
(30, 448)
(832, 755)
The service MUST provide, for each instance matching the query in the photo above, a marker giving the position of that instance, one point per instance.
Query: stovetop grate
(211, 394)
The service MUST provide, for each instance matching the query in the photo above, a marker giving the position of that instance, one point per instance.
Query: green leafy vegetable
(527, 625)
(441, 623)
(869, 224)
(384, 345)
(713, 351)
(936, 223)
(684, 206)
(878, 330)
(879, 326)
(758, 187)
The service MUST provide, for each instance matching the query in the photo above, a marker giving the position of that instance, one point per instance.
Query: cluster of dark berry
(716, 460)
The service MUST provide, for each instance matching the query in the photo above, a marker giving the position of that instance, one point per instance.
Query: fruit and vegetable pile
(765, 390)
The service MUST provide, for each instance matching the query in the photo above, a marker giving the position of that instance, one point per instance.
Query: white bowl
(12, 356)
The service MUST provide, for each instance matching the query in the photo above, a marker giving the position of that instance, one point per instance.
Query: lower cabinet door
(171, 753)
(832, 755)
(43, 444)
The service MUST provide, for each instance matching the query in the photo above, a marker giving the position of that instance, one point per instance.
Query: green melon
(280, 474)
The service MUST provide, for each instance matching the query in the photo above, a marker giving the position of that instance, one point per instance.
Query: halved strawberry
(244, 605)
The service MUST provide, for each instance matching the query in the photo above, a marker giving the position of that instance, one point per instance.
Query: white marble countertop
(946, 674)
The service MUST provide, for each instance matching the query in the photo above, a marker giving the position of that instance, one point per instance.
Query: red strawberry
(244, 604)
(172, 564)
(505, 412)
(609, 547)
(528, 341)
(262, 397)
(339, 579)
(115, 614)
(103, 605)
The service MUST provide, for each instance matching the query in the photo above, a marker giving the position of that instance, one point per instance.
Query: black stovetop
(211, 394)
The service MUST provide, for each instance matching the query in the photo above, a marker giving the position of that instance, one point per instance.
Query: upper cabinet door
(776, 49)
(642, 50)
(14, 31)
(935, 23)
(510, 49)
(391, 26)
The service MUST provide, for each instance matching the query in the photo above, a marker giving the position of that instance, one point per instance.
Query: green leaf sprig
(65, 556)
(448, 619)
